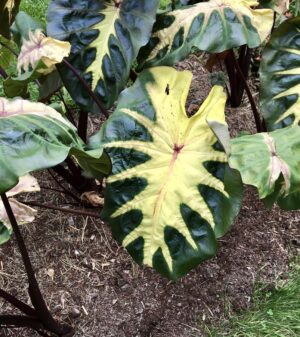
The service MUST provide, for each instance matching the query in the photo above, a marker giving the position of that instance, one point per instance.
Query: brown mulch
(91, 282)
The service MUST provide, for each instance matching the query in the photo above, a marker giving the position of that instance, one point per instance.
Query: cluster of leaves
(174, 182)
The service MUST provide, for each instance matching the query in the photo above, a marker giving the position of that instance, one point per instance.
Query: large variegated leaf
(280, 76)
(106, 37)
(8, 11)
(39, 55)
(34, 136)
(213, 26)
(23, 213)
(170, 194)
(270, 162)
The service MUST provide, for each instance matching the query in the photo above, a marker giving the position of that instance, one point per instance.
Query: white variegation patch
(41, 48)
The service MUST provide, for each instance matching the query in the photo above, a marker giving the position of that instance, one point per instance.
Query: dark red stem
(61, 209)
(26, 309)
(42, 312)
(87, 88)
(256, 115)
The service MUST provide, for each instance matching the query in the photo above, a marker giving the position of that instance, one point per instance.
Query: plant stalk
(26, 309)
(87, 88)
(42, 312)
(66, 191)
(258, 122)
(83, 125)
(3, 73)
(61, 209)
(237, 86)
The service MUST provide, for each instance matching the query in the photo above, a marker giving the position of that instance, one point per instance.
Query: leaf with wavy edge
(38, 57)
(166, 199)
(280, 76)
(34, 136)
(106, 37)
(41, 48)
(275, 171)
(212, 26)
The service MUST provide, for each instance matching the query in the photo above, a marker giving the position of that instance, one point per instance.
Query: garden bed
(91, 282)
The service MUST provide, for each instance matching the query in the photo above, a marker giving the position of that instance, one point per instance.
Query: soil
(91, 282)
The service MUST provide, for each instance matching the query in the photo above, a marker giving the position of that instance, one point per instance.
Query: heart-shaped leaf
(280, 76)
(106, 37)
(171, 193)
(270, 162)
(34, 136)
(212, 26)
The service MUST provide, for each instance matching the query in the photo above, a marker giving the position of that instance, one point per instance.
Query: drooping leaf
(106, 37)
(270, 162)
(34, 136)
(23, 213)
(41, 48)
(212, 26)
(170, 194)
(39, 55)
(280, 76)
(26, 184)
(8, 11)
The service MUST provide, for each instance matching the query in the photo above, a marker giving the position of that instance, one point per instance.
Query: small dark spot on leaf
(167, 91)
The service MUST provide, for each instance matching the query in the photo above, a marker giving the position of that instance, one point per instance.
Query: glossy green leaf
(212, 26)
(34, 136)
(8, 11)
(171, 193)
(106, 37)
(270, 162)
(280, 76)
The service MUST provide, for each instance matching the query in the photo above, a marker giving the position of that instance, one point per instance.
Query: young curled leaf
(212, 26)
(41, 48)
(171, 193)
